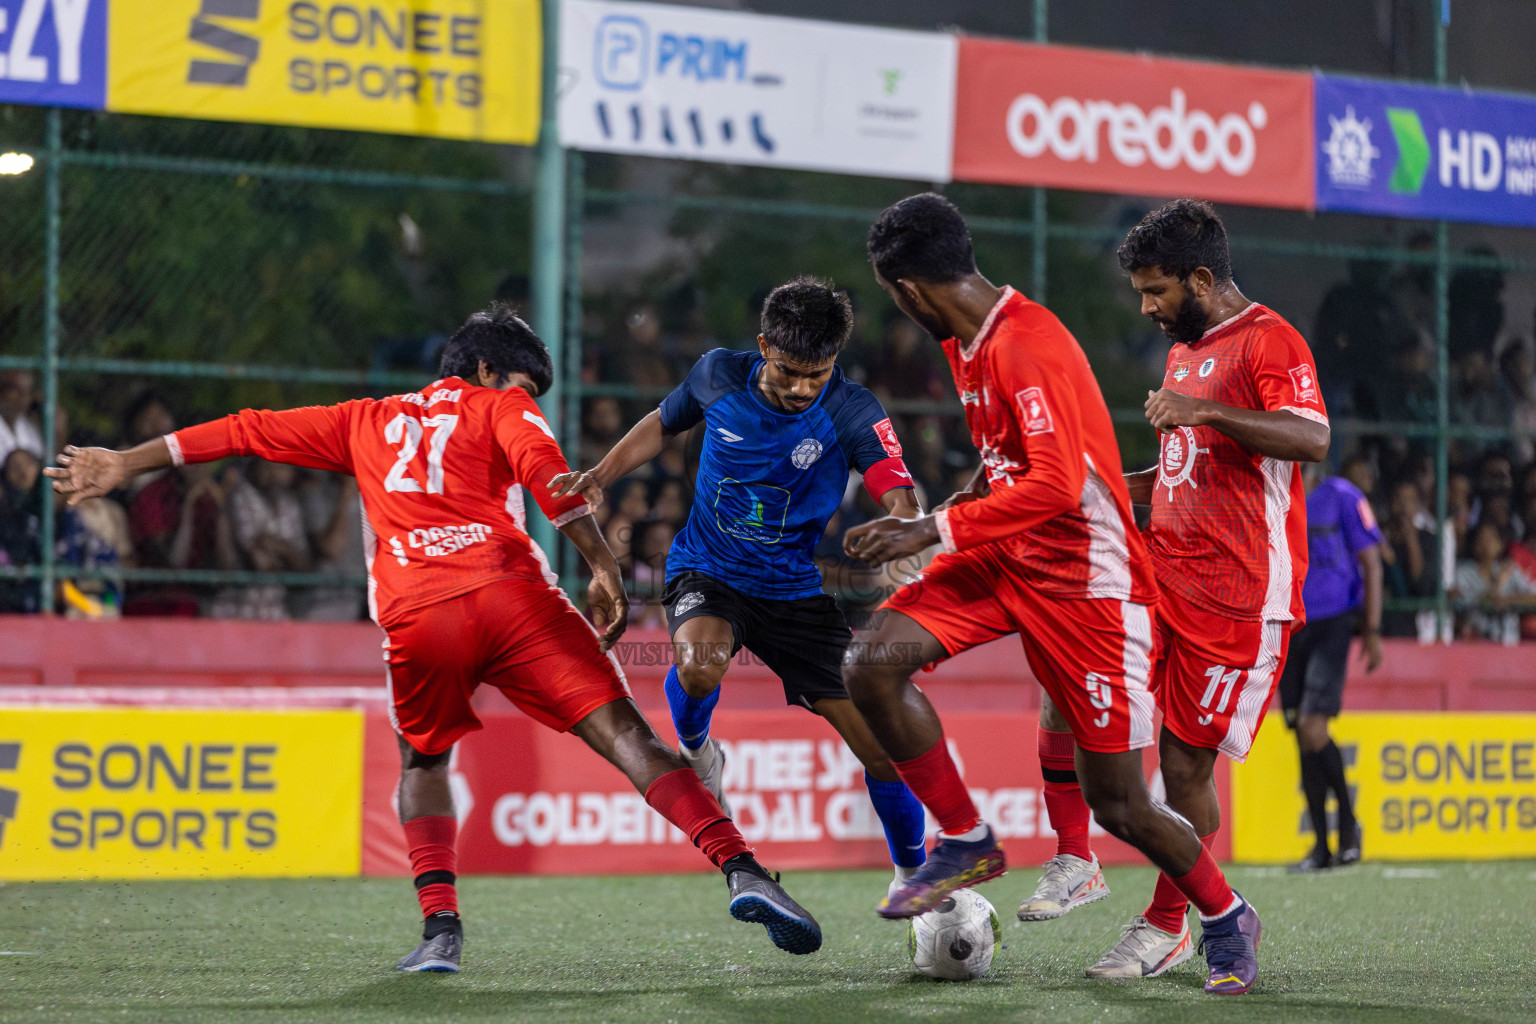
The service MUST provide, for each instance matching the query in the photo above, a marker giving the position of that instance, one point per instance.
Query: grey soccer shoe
(438, 954)
(757, 897)
(1145, 951)
(709, 762)
(1068, 883)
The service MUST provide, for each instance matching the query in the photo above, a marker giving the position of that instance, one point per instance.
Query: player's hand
(610, 608)
(1168, 409)
(567, 484)
(1370, 650)
(890, 538)
(87, 473)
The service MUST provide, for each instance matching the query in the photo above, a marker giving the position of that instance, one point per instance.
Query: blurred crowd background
(1372, 333)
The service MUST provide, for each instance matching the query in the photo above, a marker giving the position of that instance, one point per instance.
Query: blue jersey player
(783, 428)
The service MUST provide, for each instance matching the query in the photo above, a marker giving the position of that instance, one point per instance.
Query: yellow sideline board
(464, 69)
(119, 793)
(1428, 786)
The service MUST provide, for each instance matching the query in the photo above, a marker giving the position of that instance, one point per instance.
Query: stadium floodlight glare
(15, 163)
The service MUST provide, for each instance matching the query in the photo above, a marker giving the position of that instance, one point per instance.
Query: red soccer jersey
(441, 474)
(1058, 499)
(1229, 526)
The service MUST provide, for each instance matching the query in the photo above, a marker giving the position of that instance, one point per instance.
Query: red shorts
(1093, 656)
(523, 637)
(1215, 677)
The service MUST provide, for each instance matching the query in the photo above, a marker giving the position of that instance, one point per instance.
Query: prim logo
(10, 757)
(1207, 368)
(1177, 465)
(240, 50)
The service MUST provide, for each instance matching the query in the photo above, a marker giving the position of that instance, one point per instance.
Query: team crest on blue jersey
(805, 453)
(1180, 372)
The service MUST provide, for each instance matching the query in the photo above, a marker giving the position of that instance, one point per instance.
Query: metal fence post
(575, 203)
(548, 269)
(50, 373)
(1443, 621)
(1038, 265)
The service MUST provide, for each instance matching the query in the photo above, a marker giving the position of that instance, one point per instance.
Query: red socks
(681, 798)
(1205, 886)
(1063, 796)
(431, 841)
(933, 779)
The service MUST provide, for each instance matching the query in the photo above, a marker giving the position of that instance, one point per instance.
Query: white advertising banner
(689, 83)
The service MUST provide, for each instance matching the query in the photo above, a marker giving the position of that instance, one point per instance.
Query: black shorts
(802, 641)
(1313, 680)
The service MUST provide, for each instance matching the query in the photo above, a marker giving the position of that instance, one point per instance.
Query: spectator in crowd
(267, 522)
(1492, 589)
(1356, 327)
(904, 367)
(641, 354)
(1517, 377)
(601, 426)
(21, 510)
(1411, 570)
(333, 522)
(176, 520)
(18, 426)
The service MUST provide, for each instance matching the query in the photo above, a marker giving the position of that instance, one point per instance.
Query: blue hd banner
(1420, 152)
(53, 53)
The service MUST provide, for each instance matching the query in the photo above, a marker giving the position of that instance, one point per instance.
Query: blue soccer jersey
(769, 481)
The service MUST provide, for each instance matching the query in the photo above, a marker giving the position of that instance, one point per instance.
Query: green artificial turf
(1431, 943)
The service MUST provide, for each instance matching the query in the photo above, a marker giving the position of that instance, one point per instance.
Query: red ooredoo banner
(1107, 122)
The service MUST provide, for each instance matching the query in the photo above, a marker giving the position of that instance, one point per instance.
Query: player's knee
(867, 683)
(699, 679)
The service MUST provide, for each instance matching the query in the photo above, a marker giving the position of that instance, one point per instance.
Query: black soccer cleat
(757, 897)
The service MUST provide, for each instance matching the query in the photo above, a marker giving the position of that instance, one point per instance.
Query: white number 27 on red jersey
(406, 432)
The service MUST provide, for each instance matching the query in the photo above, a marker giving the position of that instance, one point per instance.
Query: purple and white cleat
(1231, 946)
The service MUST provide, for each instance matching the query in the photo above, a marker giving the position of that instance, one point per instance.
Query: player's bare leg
(431, 835)
(621, 734)
(702, 649)
(1117, 792)
(1072, 877)
(900, 813)
(878, 674)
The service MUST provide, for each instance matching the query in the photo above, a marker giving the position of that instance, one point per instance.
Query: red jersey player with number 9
(465, 597)
(1240, 406)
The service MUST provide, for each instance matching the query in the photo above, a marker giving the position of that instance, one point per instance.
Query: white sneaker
(709, 762)
(1068, 882)
(1145, 951)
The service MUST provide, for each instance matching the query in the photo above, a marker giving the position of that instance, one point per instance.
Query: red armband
(885, 475)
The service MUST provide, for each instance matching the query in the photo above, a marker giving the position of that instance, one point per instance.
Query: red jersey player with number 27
(1240, 406)
(465, 597)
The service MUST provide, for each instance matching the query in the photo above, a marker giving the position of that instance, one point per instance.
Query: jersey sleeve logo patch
(1305, 383)
(1035, 413)
(1366, 513)
(539, 422)
(887, 435)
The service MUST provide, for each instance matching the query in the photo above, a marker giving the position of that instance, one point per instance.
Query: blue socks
(690, 716)
(902, 816)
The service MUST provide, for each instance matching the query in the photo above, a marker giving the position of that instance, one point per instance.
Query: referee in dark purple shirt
(1343, 577)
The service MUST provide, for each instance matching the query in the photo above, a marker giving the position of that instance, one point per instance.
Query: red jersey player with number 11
(1238, 409)
(465, 597)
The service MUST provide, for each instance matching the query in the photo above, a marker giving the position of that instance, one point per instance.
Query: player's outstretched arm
(93, 472)
(605, 594)
(643, 443)
(1277, 433)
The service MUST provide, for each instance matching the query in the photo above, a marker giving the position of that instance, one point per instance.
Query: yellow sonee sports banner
(464, 69)
(1427, 786)
(147, 793)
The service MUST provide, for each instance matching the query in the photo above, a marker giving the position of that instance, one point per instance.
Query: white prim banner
(669, 81)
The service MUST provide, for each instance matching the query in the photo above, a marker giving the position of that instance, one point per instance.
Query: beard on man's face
(1187, 323)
